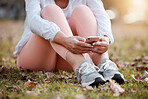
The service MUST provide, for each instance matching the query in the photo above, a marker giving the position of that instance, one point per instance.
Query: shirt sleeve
(38, 25)
(103, 20)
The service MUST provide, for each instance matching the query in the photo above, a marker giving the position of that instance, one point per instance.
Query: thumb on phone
(81, 39)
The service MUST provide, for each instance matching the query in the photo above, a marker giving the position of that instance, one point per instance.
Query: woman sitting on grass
(55, 35)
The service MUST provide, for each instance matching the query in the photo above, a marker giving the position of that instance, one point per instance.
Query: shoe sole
(98, 81)
(118, 78)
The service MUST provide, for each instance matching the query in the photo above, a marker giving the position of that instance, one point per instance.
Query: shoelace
(104, 66)
(107, 65)
(86, 69)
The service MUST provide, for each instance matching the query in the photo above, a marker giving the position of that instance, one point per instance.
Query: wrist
(60, 38)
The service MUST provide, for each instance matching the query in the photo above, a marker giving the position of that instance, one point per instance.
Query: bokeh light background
(129, 19)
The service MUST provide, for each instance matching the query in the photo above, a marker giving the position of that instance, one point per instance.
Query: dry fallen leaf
(30, 84)
(33, 92)
(145, 61)
(139, 58)
(46, 80)
(146, 80)
(55, 96)
(146, 58)
(127, 64)
(139, 77)
(81, 96)
(14, 88)
(134, 63)
(1, 95)
(90, 88)
(116, 88)
(142, 67)
(145, 74)
(134, 90)
(107, 87)
(4, 70)
(49, 75)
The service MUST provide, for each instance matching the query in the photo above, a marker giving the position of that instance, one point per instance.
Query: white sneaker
(87, 75)
(109, 70)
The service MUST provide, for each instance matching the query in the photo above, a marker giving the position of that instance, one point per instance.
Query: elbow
(32, 23)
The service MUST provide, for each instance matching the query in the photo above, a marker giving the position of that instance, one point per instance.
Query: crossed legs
(40, 54)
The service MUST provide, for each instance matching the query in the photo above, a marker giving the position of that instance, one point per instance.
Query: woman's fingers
(103, 44)
(82, 49)
(80, 38)
(83, 44)
(100, 49)
(79, 51)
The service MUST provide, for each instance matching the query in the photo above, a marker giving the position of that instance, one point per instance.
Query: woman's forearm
(60, 38)
(74, 44)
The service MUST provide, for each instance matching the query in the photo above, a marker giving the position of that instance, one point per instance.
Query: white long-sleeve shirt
(39, 26)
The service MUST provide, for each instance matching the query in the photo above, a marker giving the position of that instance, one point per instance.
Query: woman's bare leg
(83, 23)
(55, 14)
(35, 55)
(40, 54)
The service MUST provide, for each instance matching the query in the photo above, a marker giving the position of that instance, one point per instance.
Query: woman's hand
(101, 46)
(77, 45)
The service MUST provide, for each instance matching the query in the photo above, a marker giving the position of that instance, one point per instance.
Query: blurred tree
(15, 8)
(12, 8)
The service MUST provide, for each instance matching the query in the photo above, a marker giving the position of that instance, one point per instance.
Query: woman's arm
(50, 31)
(103, 21)
(38, 25)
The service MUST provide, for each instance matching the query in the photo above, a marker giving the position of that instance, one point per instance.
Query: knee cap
(81, 7)
(51, 8)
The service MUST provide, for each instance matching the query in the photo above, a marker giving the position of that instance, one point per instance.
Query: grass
(130, 42)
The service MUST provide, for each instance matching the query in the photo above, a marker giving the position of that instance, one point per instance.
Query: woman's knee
(51, 9)
(82, 9)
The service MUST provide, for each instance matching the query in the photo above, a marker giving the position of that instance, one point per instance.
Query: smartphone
(92, 39)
